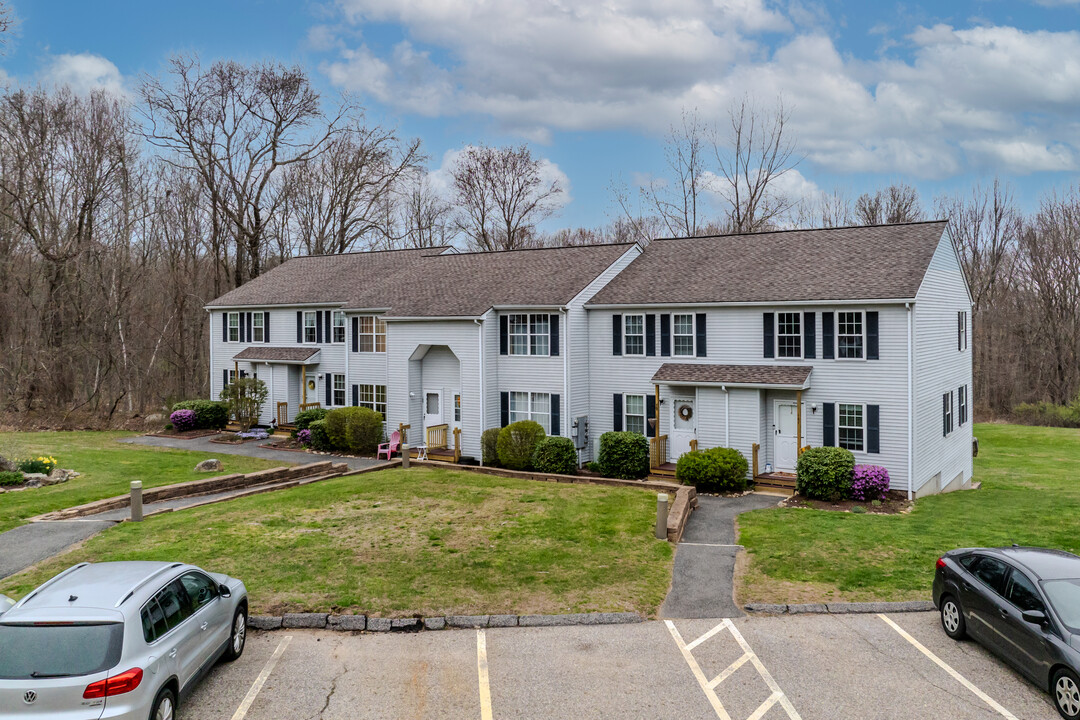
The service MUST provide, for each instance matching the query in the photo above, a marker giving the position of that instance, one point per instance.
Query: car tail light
(941, 562)
(125, 682)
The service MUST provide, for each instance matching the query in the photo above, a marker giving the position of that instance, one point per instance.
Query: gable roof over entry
(771, 376)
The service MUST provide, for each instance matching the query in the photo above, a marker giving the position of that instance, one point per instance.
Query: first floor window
(339, 390)
(849, 335)
(310, 325)
(234, 327)
(789, 334)
(257, 327)
(634, 412)
(682, 331)
(634, 335)
(457, 408)
(531, 406)
(850, 427)
(963, 405)
(339, 326)
(231, 378)
(373, 397)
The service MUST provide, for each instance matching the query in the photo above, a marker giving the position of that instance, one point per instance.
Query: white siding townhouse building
(767, 343)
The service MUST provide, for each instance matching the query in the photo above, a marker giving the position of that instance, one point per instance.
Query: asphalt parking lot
(863, 667)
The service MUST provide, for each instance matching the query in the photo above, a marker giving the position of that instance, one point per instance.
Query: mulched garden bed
(186, 435)
(895, 502)
(233, 440)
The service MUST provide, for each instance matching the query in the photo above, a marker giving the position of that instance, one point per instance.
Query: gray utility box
(579, 432)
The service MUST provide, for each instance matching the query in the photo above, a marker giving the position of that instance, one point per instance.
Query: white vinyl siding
(682, 335)
(789, 334)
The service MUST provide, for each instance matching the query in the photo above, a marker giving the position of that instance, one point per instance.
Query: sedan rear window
(39, 651)
(1064, 596)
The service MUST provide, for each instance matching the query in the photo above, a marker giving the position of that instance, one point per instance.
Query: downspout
(565, 374)
(348, 380)
(210, 387)
(480, 346)
(727, 416)
(911, 407)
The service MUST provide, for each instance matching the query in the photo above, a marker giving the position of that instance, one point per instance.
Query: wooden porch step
(776, 481)
(667, 470)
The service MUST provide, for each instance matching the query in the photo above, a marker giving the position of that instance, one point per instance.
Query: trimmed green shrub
(488, 442)
(517, 443)
(320, 439)
(209, 414)
(714, 470)
(825, 473)
(555, 455)
(336, 420)
(624, 455)
(1044, 413)
(354, 429)
(304, 418)
(12, 477)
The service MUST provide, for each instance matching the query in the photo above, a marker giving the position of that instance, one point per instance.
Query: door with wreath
(683, 427)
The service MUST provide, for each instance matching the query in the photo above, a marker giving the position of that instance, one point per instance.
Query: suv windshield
(29, 651)
(1064, 595)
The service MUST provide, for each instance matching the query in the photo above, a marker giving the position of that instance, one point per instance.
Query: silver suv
(117, 640)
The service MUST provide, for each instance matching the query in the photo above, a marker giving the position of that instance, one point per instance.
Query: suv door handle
(172, 653)
(204, 626)
(1004, 613)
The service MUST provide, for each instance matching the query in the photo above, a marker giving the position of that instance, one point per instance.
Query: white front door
(785, 420)
(683, 427)
(433, 408)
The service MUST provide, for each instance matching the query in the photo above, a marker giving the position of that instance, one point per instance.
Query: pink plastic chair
(390, 447)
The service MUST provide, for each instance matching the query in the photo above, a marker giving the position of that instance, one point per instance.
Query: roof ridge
(816, 229)
(546, 247)
(367, 252)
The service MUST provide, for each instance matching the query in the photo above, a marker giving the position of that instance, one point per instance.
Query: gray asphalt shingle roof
(281, 354)
(856, 263)
(733, 374)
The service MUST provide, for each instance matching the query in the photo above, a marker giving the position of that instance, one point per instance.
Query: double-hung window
(519, 334)
(963, 409)
(539, 334)
(961, 330)
(372, 335)
(310, 326)
(529, 334)
(339, 389)
(634, 335)
(457, 407)
(789, 334)
(682, 330)
(531, 406)
(634, 413)
(373, 397)
(230, 378)
(338, 326)
(851, 427)
(849, 335)
(947, 412)
(234, 327)
(257, 327)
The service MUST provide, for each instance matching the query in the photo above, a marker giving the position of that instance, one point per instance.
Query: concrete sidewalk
(251, 449)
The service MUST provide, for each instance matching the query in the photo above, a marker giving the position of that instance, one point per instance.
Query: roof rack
(145, 580)
(47, 583)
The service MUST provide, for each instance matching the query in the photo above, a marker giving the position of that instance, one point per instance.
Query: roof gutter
(725, 385)
(279, 305)
(431, 318)
(752, 303)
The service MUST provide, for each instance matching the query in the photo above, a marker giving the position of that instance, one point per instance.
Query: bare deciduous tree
(898, 203)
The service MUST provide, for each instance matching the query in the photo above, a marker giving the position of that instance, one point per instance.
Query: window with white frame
(531, 406)
(338, 398)
(529, 334)
(682, 331)
(634, 335)
(457, 408)
(257, 327)
(338, 329)
(947, 408)
(231, 378)
(963, 408)
(373, 397)
(539, 334)
(234, 327)
(634, 413)
(310, 326)
(849, 335)
(519, 334)
(962, 330)
(372, 337)
(851, 431)
(789, 335)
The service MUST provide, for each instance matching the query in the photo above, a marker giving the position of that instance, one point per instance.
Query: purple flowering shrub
(183, 420)
(304, 436)
(871, 482)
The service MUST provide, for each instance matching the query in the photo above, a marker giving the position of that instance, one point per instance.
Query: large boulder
(155, 420)
(35, 480)
(60, 475)
(211, 465)
(7, 465)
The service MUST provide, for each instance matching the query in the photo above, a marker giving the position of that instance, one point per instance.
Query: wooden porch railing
(436, 437)
(282, 413)
(403, 430)
(657, 451)
(803, 449)
(457, 445)
(309, 406)
(693, 445)
(756, 447)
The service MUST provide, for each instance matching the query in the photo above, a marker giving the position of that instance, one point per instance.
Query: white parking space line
(709, 686)
(482, 671)
(242, 711)
(948, 668)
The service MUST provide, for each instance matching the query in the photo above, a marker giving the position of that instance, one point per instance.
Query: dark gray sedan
(1021, 603)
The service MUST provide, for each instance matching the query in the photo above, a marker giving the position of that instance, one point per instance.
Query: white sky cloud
(84, 72)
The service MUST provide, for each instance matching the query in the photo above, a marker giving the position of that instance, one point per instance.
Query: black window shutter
(355, 395)
(873, 428)
(553, 343)
(701, 342)
(266, 327)
(504, 406)
(249, 325)
(959, 331)
(225, 327)
(616, 334)
(944, 414)
(650, 414)
(650, 335)
(299, 326)
(616, 411)
(318, 326)
(356, 334)
(328, 382)
(224, 378)
(556, 415)
(768, 329)
(329, 332)
(809, 335)
(828, 344)
(665, 335)
(872, 335)
(240, 327)
(828, 425)
(243, 374)
(504, 336)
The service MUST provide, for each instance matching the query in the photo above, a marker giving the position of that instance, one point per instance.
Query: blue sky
(936, 94)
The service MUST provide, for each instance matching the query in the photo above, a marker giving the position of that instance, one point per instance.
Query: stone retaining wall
(320, 621)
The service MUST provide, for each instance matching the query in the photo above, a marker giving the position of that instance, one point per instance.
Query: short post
(405, 455)
(136, 501)
(661, 516)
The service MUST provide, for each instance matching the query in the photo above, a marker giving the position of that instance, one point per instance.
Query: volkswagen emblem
(29, 697)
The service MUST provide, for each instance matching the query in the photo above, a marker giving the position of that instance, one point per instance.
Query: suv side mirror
(224, 590)
(1035, 617)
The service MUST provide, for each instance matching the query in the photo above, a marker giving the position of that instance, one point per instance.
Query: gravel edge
(357, 623)
(840, 608)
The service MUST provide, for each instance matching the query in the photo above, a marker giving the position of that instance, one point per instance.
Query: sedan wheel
(952, 619)
(1067, 694)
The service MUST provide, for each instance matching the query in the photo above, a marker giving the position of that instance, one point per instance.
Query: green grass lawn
(425, 540)
(107, 468)
(1030, 495)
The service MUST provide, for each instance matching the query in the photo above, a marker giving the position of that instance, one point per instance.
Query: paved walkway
(30, 544)
(702, 580)
(251, 449)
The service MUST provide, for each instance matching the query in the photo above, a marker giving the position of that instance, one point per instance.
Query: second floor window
(789, 334)
(234, 327)
(310, 326)
(339, 326)
(257, 327)
(849, 335)
(529, 334)
(961, 330)
(372, 334)
(634, 335)
(682, 330)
